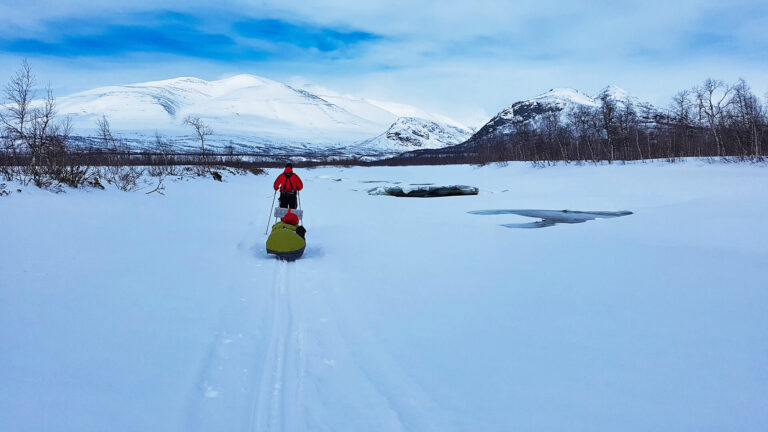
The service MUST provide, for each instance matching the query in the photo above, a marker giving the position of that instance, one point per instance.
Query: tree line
(37, 147)
(713, 119)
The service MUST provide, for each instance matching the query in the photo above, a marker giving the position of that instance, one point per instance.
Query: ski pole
(269, 219)
(298, 196)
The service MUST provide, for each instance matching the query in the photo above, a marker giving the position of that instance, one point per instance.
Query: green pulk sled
(286, 241)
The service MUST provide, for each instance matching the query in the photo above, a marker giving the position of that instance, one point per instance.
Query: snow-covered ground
(133, 312)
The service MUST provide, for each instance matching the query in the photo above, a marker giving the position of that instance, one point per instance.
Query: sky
(464, 59)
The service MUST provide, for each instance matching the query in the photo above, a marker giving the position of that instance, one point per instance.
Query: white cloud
(461, 58)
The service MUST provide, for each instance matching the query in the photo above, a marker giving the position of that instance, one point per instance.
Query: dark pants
(288, 199)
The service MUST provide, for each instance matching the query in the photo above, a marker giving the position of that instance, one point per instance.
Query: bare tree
(682, 119)
(746, 119)
(36, 143)
(45, 142)
(202, 131)
(555, 134)
(19, 93)
(160, 163)
(15, 116)
(712, 97)
(584, 120)
(608, 119)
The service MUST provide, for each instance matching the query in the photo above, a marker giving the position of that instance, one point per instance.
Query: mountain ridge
(260, 115)
(247, 109)
(561, 101)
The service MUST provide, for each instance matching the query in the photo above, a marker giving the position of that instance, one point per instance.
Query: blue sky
(465, 59)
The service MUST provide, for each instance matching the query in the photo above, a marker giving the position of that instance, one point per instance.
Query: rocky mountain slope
(562, 101)
(411, 133)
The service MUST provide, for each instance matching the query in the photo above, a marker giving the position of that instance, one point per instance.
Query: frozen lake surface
(133, 312)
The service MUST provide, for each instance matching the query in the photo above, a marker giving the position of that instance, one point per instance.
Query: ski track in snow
(279, 400)
(281, 385)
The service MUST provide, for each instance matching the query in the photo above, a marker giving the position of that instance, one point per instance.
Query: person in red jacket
(289, 184)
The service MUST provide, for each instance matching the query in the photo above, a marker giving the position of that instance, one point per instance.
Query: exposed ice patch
(552, 217)
(415, 191)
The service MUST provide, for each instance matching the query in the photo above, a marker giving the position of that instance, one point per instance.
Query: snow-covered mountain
(621, 98)
(561, 101)
(249, 112)
(411, 133)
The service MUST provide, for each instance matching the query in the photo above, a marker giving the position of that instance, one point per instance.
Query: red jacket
(288, 181)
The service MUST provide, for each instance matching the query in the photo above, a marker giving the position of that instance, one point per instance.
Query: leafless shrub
(118, 169)
(257, 171)
(160, 188)
(161, 161)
